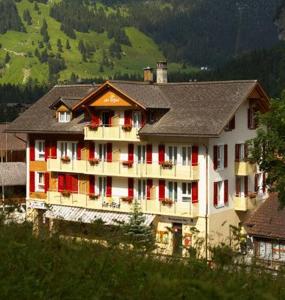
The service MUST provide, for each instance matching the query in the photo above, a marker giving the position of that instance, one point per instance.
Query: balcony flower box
(252, 195)
(94, 196)
(128, 163)
(127, 127)
(166, 202)
(65, 193)
(127, 199)
(93, 126)
(94, 161)
(65, 159)
(167, 164)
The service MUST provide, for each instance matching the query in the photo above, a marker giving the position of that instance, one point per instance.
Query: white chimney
(161, 72)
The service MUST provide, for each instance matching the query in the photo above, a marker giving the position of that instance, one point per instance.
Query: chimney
(148, 74)
(161, 72)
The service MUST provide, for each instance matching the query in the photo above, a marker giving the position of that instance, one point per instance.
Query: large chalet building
(179, 149)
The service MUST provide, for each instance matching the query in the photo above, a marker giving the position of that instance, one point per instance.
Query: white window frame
(137, 119)
(141, 190)
(141, 154)
(101, 151)
(220, 194)
(64, 116)
(67, 148)
(172, 153)
(40, 185)
(186, 197)
(101, 186)
(187, 160)
(40, 154)
(220, 157)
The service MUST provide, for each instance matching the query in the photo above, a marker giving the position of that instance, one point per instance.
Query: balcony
(245, 203)
(117, 204)
(112, 133)
(121, 168)
(244, 168)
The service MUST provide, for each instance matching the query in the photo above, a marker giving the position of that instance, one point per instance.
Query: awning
(77, 214)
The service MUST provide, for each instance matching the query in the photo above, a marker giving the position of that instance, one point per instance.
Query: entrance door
(177, 239)
(106, 118)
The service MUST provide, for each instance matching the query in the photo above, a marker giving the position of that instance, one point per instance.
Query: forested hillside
(76, 40)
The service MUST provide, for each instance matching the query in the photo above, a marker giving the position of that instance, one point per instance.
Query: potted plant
(128, 163)
(65, 159)
(93, 196)
(127, 127)
(127, 199)
(65, 193)
(94, 161)
(167, 164)
(167, 202)
(93, 126)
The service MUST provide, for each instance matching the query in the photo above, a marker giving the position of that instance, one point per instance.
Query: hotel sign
(36, 205)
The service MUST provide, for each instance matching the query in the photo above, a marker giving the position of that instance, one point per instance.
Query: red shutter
(215, 193)
(74, 183)
(79, 149)
(161, 154)
(128, 117)
(32, 150)
(149, 154)
(91, 150)
(237, 154)
(225, 156)
(237, 186)
(91, 184)
(61, 182)
(47, 147)
(32, 182)
(109, 152)
(131, 153)
(195, 150)
(95, 118)
(249, 117)
(195, 192)
(46, 182)
(256, 182)
(246, 185)
(149, 184)
(226, 192)
(263, 183)
(131, 187)
(109, 187)
(233, 123)
(215, 157)
(53, 149)
(68, 182)
(161, 190)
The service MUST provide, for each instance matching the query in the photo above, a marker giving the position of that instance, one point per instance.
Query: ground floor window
(270, 250)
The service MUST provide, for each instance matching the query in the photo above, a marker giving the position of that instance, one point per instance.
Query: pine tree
(67, 45)
(27, 17)
(59, 45)
(140, 235)
(7, 58)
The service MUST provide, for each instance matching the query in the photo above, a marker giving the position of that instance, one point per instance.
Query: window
(141, 153)
(220, 157)
(137, 119)
(220, 194)
(186, 156)
(40, 150)
(241, 186)
(141, 189)
(67, 149)
(102, 186)
(186, 191)
(241, 152)
(172, 154)
(64, 116)
(231, 125)
(102, 152)
(252, 117)
(40, 182)
(172, 191)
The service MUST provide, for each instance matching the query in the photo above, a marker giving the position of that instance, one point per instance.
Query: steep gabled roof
(191, 109)
(268, 221)
(40, 118)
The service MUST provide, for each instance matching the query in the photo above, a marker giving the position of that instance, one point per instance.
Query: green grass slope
(24, 65)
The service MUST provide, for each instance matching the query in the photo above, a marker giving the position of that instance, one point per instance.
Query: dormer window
(64, 116)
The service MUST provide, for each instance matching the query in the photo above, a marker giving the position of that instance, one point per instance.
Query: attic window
(64, 116)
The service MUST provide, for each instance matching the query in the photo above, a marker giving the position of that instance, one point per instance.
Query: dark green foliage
(67, 45)
(86, 50)
(7, 58)
(9, 17)
(268, 148)
(33, 268)
(115, 50)
(27, 17)
(59, 45)
(44, 31)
